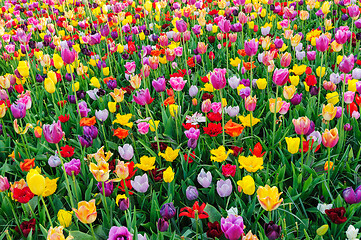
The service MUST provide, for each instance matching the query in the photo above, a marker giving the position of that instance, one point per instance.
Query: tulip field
(180, 119)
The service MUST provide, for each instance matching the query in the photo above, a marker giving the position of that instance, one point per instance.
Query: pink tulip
(251, 47)
(349, 96)
(53, 133)
(302, 125)
(347, 64)
(280, 76)
(322, 43)
(286, 59)
(181, 26)
(177, 83)
(68, 56)
(218, 78)
(143, 127)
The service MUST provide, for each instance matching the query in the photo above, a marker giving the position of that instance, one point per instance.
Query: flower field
(192, 119)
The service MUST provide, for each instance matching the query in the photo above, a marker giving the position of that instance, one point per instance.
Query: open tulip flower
(192, 119)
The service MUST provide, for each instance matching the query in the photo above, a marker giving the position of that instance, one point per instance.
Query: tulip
(352, 233)
(86, 211)
(341, 36)
(293, 144)
(191, 193)
(269, 197)
(177, 83)
(322, 230)
(232, 111)
(286, 59)
(18, 110)
(4, 184)
(234, 82)
(168, 211)
(85, 141)
(353, 11)
(181, 26)
(102, 115)
(322, 43)
(251, 47)
(108, 188)
(232, 227)
(289, 91)
(250, 103)
(123, 202)
(280, 76)
(224, 25)
(204, 179)
(142, 97)
(168, 175)
(352, 196)
(272, 230)
(68, 56)
(91, 131)
(126, 152)
(159, 84)
(329, 112)
(347, 64)
(140, 183)
(224, 188)
(330, 138)
(302, 125)
(53, 133)
(116, 233)
(36, 182)
(218, 78)
(64, 217)
(206, 106)
(247, 185)
(54, 161)
(162, 225)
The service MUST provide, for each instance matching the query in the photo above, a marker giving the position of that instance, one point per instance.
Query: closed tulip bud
(281, 76)
(272, 230)
(18, 110)
(204, 178)
(168, 211)
(122, 201)
(191, 193)
(193, 90)
(352, 196)
(322, 43)
(181, 26)
(4, 184)
(194, 102)
(162, 225)
(251, 47)
(322, 230)
(293, 144)
(206, 106)
(53, 133)
(54, 161)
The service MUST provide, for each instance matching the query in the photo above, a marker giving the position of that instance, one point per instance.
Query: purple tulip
(272, 230)
(322, 43)
(85, 141)
(193, 90)
(72, 167)
(197, 29)
(278, 43)
(123, 203)
(53, 133)
(159, 84)
(352, 196)
(347, 127)
(117, 233)
(112, 84)
(94, 39)
(104, 31)
(18, 110)
(192, 133)
(83, 109)
(126, 152)
(181, 26)
(296, 99)
(168, 211)
(191, 193)
(245, 92)
(162, 225)
(311, 55)
(108, 188)
(140, 183)
(68, 56)
(358, 23)
(91, 131)
(232, 227)
(347, 64)
(353, 11)
(54, 161)
(192, 143)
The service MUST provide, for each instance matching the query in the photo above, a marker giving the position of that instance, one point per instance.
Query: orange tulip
(87, 121)
(121, 133)
(233, 129)
(86, 212)
(27, 164)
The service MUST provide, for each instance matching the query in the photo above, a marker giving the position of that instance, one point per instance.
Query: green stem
(92, 231)
(319, 84)
(274, 118)
(46, 210)
(223, 137)
(328, 167)
(15, 215)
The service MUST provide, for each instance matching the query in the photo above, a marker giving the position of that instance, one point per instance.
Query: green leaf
(214, 214)
(81, 236)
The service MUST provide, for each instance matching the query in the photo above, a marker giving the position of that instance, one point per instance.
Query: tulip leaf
(307, 184)
(214, 214)
(81, 236)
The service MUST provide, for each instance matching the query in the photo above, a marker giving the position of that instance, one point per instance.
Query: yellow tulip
(100, 171)
(58, 61)
(23, 68)
(36, 182)
(329, 112)
(50, 186)
(288, 92)
(169, 155)
(124, 120)
(295, 80)
(173, 109)
(153, 125)
(322, 230)
(246, 120)
(57, 234)
(332, 98)
(269, 197)
(112, 107)
(49, 85)
(146, 163)
(250, 163)
(64, 217)
(261, 83)
(247, 185)
(94, 82)
(168, 175)
(2, 110)
(220, 154)
(293, 144)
